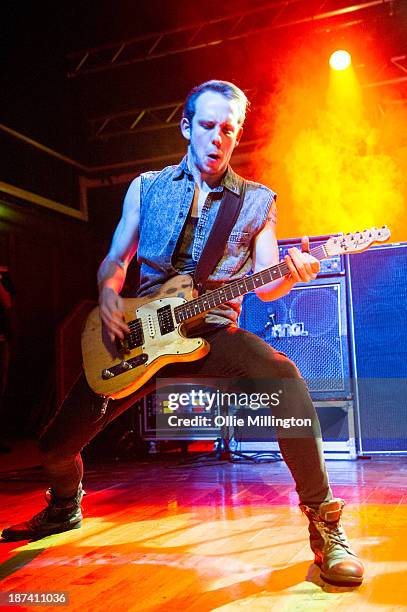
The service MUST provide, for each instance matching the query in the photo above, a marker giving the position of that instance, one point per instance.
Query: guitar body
(116, 373)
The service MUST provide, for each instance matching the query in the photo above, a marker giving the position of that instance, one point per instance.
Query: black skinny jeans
(235, 353)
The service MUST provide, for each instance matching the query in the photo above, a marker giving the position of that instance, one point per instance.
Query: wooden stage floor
(159, 536)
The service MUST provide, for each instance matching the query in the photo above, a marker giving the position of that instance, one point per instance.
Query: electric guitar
(117, 369)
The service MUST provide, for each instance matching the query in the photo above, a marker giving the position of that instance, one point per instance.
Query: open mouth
(214, 156)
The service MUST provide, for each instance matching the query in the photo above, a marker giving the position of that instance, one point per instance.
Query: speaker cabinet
(378, 284)
(337, 426)
(309, 325)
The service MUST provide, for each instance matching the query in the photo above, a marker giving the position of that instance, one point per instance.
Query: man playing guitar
(167, 217)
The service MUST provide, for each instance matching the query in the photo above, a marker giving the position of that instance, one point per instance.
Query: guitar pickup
(165, 320)
(132, 340)
(124, 366)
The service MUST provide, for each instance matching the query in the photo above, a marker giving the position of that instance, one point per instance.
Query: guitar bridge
(124, 366)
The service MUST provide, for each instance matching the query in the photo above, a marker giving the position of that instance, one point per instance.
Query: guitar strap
(228, 213)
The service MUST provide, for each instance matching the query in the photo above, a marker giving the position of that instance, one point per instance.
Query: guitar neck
(237, 288)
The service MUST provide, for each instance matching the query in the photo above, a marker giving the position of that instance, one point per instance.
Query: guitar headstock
(357, 241)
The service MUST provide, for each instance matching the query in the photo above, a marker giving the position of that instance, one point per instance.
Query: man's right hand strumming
(112, 314)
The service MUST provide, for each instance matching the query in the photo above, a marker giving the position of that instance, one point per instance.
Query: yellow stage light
(340, 60)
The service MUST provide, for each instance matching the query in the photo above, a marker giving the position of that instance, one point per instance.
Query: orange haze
(336, 157)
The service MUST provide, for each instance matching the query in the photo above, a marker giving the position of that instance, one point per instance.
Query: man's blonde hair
(225, 88)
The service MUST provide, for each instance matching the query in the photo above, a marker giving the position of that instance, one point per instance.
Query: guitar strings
(143, 321)
(318, 251)
(188, 305)
(216, 293)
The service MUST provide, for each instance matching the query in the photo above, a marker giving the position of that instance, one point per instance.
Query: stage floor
(161, 536)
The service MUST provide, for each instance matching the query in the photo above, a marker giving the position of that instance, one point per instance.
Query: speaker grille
(307, 325)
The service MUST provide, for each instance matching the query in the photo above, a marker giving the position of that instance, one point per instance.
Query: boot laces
(39, 518)
(46, 513)
(334, 534)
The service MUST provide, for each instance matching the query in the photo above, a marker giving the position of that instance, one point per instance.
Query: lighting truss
(143, 119)
(271, 16)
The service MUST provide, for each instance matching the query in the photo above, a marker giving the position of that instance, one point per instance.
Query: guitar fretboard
(237, 288)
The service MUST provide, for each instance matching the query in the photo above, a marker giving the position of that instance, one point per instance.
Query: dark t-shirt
(182, 258)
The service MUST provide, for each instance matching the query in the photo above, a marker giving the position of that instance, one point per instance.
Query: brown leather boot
(61, 514)
(338, 562)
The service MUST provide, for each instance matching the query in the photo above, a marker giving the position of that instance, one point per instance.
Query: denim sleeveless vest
(165, 202)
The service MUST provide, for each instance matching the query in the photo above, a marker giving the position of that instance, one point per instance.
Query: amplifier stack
(347, 333)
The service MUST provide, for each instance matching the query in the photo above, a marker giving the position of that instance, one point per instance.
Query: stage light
(340, 60)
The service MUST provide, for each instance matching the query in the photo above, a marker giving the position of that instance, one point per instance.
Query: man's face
(214, 133)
